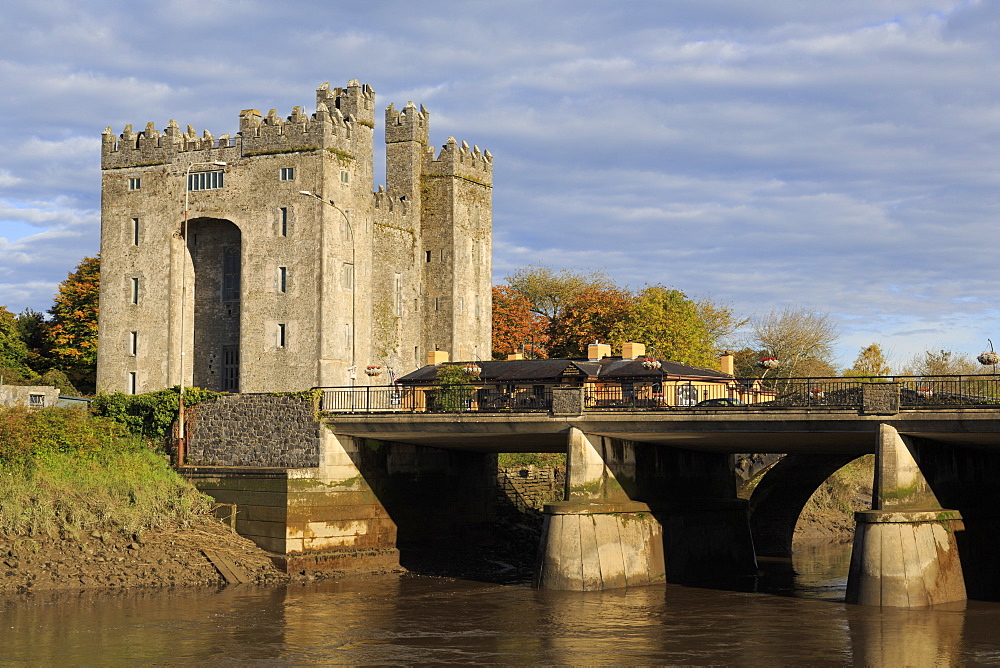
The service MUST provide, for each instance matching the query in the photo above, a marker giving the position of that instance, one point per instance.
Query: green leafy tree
(453, 390)
(34, 331)
(13, 352)
(73, 334)
(671, 325)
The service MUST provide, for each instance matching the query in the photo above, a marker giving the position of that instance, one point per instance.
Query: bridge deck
(731, 431)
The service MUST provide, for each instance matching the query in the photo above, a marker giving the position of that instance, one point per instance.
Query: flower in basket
(925, 392)
(649, 363)
(817, 393)
(768, 363)
(373, 370)
(989, 358)
(472, 369)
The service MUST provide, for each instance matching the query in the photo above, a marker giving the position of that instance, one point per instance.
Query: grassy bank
(66, 473)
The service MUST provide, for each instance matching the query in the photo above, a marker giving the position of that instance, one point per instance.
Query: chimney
(515, 356)
(727, 362)
(595, 351)
(436, 357)
(632, 350)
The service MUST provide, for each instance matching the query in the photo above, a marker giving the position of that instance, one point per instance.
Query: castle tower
(260, 288)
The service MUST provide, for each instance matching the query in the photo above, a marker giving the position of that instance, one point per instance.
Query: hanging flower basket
(925, 392)
(472, 369)
(373, 370)
(768, 363)
(989, 358)
(649, 363)
(817, 393)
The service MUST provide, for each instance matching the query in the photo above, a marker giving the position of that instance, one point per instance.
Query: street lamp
(181, 441)
(354, 279)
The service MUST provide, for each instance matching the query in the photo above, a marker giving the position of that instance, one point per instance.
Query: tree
(870, 362)
(34, 331)
(13, 352)
(595, 313)
(796, 336)
(73, 334)
(671, 326)
(550, 291)
(515, 325)
(720, 321)
(940, 363)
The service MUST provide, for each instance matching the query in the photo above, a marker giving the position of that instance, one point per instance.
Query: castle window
(461, 304)
(348, 276)
(231, 275)
(230, 368)
(133, 384)
(398, 294)
(437, 303)
(348, 335)
(135, 290)
(427, 256)
(282, 279)
(133, 343)
(287, 173)
(345, 177)
(135, 231)
(205, 180)
(283, 225)
(36, 400)
(134, 183)
(281, 335)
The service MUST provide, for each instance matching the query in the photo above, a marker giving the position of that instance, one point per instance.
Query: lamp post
(181, 440)
(352, 371)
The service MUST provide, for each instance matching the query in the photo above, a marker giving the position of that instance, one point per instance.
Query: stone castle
(263, 262)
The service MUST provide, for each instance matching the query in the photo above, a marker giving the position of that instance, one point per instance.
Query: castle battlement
(407, 124)
(460, 160)
(343, 117)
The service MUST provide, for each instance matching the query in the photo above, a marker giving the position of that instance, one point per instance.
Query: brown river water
(782, 618)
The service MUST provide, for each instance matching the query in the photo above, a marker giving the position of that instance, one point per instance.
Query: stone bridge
(650, 495)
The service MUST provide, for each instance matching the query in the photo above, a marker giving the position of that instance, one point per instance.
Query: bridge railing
(486, 398)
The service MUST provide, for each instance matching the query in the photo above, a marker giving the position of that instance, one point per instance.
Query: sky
(839, 157)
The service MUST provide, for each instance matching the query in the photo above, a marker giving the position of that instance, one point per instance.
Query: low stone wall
(254, 430)
(531, 487)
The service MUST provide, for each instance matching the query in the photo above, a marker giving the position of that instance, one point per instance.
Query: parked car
(717, 403)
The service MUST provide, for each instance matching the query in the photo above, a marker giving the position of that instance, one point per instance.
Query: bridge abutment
(905, 551)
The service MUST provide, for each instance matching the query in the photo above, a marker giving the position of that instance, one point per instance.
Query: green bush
(149, 415)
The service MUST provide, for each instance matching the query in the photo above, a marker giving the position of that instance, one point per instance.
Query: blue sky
(837, 156)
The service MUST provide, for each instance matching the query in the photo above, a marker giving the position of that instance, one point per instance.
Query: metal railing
(909, 392)
(489, 398)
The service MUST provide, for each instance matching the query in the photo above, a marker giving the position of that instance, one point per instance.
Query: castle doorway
(215, 247)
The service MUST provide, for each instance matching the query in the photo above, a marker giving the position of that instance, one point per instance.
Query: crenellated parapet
(460, 160)
(342, 123)
(407, 124)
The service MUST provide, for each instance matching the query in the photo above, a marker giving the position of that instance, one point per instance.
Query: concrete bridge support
(905, 550)
(640, 514)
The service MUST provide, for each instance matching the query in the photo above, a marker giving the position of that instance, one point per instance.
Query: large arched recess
(215, 247)
(783, 491)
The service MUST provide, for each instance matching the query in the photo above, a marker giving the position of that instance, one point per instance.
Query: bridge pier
(640, 514)
(905, 551)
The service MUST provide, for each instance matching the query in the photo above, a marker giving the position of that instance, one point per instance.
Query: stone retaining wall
(254, 430)
(531, 487)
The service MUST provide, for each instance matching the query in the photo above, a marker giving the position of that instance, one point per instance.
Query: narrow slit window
(398, 294)
(282, 334)
(133, 343)
(133, 385)
(282, 279)
(348, 276)
(283, 224)
(135, 231)
(135, 290)
(427, 256)
(437, 303)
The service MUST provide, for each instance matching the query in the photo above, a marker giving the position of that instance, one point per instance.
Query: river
(781, 619)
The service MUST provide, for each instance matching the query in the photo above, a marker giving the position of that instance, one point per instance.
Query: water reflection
(796, 617)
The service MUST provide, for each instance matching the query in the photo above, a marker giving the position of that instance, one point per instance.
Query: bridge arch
(783, 491)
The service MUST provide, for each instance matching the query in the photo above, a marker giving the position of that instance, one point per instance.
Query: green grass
(518, 459)
(842, 490)
(63, 472)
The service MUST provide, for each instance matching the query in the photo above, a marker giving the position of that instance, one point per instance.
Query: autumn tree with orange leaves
(73, 333)
(515, 327)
